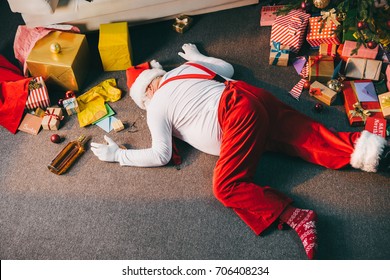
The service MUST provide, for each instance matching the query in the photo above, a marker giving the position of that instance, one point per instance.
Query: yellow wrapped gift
(114, 46)
(61, 58)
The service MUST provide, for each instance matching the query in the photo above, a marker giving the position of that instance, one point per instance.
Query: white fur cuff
(368, 149)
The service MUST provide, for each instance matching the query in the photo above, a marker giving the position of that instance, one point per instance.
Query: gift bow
(385, 101)
(278, 51)
(359, 111)
(182, 20)
(330, 16)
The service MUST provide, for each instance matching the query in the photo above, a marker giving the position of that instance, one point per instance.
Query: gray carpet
(103, 211)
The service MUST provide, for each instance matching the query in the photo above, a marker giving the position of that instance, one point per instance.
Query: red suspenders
(209, 76)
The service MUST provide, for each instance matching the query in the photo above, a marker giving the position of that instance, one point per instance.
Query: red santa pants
(253, 121)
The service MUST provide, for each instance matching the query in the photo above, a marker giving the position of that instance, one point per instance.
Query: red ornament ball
(55, 138)
(361, 25)
(306, 85)
(318, 107)
(69, 94)
(60, 102)
(372, 44)
(303, 5)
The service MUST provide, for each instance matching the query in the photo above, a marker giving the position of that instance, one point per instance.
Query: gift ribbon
(315, 91)
(329, 50)
(359, 111)
(278, 51)
(329, 17)
(182, 21)
(52, 116)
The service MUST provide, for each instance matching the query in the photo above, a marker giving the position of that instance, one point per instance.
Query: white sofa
(88, 15)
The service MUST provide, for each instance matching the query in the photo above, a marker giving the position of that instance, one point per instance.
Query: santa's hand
(191, 53)
(105, 152)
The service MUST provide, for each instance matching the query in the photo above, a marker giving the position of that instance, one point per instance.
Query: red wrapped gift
(362, 52)
(268, 14)
(38, 94)
(320, 31)
(358, 112)
(376, 126)
(289, 30)
(52, 119)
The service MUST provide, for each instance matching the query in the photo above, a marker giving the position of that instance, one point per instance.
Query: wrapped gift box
(182, 23)
(52, 118)
(38, 96)
(384, 101)
(279, 54)
(118, 125)
(327, 49)
(363, 68)
(388, 77)
(362, 52)
(357, 112)
(30, 124)
(71, 106)
(65, 66)
(114, 46)
(321, 68)
(376, 126)
(322, 93)
(290, 29)
(321, 32)
(268, 14)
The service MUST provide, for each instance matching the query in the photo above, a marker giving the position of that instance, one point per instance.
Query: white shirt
(186, 109)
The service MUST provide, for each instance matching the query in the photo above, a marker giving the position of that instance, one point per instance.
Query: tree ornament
(372, 44)
(306, 85)
(69, 94)
(335, 85)
(303, 5)
(55, 138)
(318, 107)
(341, 16)
(60, 102)
(55, 48)
(361, 25)
(321, 4)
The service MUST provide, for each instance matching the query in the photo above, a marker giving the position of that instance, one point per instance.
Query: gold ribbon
(182, 20)
(360, 112)
(330, 16)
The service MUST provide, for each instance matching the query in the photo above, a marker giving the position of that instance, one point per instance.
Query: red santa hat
(138, 79)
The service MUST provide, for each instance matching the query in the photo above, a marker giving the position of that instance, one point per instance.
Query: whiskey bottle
(68, 155)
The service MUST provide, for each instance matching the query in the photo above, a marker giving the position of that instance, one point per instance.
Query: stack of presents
(335, 66)
(57, 63)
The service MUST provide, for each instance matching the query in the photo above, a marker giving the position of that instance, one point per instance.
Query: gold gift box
(65, 67)
(114, 46)
(384, 101)
(326, 95)
(182, 23)
(321, 68)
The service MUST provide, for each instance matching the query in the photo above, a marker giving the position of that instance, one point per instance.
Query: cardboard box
(279, 54)
(290, 29)
(52, 119)
(358, 112)
(384, 101)
(321, 68)
(268, 14)
(38, 96)
(66, 69)
(30, 124)
(363, 68)
(328, 49)
(322, 93)
(114, 46)
(362, 52)
(321, 32)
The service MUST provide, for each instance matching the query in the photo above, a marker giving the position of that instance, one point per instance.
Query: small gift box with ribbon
(182, 23)
(327, 49)
(52, 118)
(358, 112)
(38, 96)
(322, 30)
(322, 93)
(70, 103)
(279, 54)
(290, 29)
(321, 68)
(363, 68)
(361, 52)
(384, 101)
